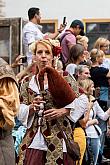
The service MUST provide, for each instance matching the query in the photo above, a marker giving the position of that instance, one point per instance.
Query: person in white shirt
(92, 129)
(32, 31)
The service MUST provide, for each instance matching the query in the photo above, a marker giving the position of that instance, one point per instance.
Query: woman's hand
(91, 122)
(62, 27)
(55, 113)
(35, 106)
(96, 121)
(17, 61)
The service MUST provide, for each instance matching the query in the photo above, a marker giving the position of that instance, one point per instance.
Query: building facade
(2, 7)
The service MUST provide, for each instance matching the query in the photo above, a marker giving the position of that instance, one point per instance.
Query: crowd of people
(56, 110)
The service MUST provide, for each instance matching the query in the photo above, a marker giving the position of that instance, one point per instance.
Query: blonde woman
(100, 75)
(83, 40)
(103, 44)
(42, 147)
(93, 131)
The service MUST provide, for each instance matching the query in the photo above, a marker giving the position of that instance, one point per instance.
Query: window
(5, 42)
(95, 28)
(50, 25)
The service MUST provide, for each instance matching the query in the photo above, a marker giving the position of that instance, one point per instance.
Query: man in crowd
(68, 39)
(32, 31)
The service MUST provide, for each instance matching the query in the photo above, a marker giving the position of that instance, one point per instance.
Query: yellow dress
(79, 137)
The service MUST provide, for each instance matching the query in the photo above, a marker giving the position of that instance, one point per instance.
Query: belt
(4, 133)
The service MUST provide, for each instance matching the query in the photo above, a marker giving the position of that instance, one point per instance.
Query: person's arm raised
(54, 35)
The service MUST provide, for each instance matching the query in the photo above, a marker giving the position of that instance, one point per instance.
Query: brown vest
(50, 130)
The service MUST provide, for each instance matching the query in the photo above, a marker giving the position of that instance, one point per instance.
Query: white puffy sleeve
(100, 113)
(78, 107)
(23, 116)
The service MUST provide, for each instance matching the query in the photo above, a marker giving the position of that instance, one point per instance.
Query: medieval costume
(9, 105)
(51, 140)
(43, 143)
(50, 143)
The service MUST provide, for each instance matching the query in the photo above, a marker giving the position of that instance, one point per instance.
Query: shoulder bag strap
(69, 32)
(94, 124)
